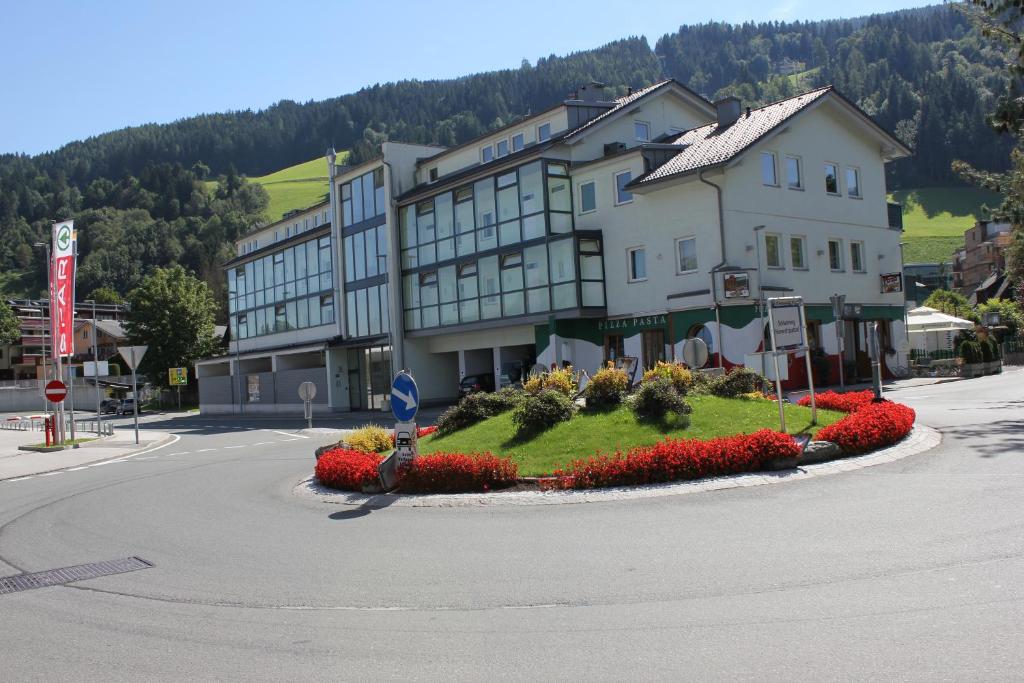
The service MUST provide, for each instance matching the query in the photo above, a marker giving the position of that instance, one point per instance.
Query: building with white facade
(606, 227)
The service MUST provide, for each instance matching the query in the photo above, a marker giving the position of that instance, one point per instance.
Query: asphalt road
(911, 570)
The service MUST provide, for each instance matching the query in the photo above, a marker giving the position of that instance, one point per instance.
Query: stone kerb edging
(920, 439)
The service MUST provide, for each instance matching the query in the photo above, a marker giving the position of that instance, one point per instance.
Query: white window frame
(781, 265)
(629, 264)
(828, 255)
(512, 141)
(839, 185)
(647, 125)
(589, 181)
(803, 252)
(483, 152)
(799, 171)
(775, 168)
(863, 265)
(615, 186)
(679, 263)
(508, 148)
(860, 192)
(541, 125)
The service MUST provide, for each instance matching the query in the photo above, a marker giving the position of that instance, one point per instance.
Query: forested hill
(924, 74)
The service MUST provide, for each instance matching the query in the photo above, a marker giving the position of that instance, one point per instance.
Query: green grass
(588, 433)
(296, 187)
(68, 442)
(935, 218)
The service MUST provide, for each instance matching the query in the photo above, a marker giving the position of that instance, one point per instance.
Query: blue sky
(75, 69)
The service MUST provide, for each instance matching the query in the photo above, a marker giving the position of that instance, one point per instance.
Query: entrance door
(653, 345)
(355, 390)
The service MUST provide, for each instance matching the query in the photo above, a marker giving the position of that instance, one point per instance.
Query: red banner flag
(62, 289)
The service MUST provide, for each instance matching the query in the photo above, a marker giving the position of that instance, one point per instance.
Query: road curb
(922, 438)
(168, 438)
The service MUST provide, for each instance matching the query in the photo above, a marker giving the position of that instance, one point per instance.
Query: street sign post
(132, 357)
(177, 378)
(307, 392)
(695, 353)
(875, 353)
(787, 326)
(405, 397)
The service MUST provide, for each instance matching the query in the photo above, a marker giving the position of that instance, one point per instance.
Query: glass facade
(365, 247)
(500, 247)
(290, 289)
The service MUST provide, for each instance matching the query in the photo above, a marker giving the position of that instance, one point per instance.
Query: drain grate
(81, 572)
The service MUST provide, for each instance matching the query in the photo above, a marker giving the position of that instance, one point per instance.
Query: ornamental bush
(543, 411)
(370, 439)
(658, 397)
(563, 381)
(845, 402)
(347, 469)
(606, 388)
(677, 373)
(465, 413)
(458, 473)
(736, 382)
(503, 400)
(970, 351)
(869, 427)
(678, 459)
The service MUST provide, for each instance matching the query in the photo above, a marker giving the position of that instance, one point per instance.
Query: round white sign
(695, 352)
(307, 391)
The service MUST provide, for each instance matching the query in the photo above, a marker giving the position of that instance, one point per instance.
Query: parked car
(108, 406)
(471, 384)
(127, 407)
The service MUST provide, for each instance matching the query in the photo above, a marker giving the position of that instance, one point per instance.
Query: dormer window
(544, 132)
(501, 148)
(433, 174)
(486, 154)
(518, 142)
(642, 131)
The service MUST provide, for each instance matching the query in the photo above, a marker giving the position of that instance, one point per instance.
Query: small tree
(10, 330)
(951, 303)
(106, 295)
(171, 313)
(1010, 314)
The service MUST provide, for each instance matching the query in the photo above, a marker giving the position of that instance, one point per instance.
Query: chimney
(591, 92)
(728, 109)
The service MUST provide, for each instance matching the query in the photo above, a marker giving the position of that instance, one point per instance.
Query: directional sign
(132, 355)
(405, 397)
(55, 391)
(307, 391)
(177, 376)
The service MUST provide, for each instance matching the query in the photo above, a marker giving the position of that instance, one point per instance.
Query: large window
(772, 250)
(853, 182)
(686, 255)
(835, 255)
(637, 262)
(857, 257)
(831, 178)
(797, 252)
(282, 291)
(794, 176)
(768, 174)
(363, 198)
(622, 179)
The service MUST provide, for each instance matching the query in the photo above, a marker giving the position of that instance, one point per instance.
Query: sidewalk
(15, 463)
(887, 386)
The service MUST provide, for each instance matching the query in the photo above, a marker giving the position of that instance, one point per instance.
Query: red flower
(870, 427)
(346, 469)
(846, 402)
(458, 472)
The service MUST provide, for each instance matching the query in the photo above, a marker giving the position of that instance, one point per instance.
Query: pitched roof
(711, 146)
(619, 103)
(112, 327)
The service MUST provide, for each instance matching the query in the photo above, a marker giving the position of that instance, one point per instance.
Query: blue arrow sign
(405, 397)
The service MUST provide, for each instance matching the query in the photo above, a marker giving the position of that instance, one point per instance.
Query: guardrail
(35, 423)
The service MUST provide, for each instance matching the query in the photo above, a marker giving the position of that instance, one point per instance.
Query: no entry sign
(55, 391)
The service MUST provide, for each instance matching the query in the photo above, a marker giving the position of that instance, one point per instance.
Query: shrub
(457, 473)
(543, 411)
(869, 427)
(502, 400)
(465, 413)
(606, 387)
(563, 381)
(657, 398)
(846, 402)
(756, 396)
(702, 382)
(677, 373)
(347, 469)
(970, 351)
(370, 439)
(677, 459)
(736, 382)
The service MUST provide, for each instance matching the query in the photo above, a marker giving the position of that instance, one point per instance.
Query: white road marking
(227, 447)
(180, 453)
(48, 474)
(205, 450)
(300, 436)
(21, 478)
(148, 457)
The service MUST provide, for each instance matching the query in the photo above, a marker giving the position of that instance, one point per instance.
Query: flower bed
(347, 469)
(677, 459)
(872, 426)
(458, 473)
(846, 402)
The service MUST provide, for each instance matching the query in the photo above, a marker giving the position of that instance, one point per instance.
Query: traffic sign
(132, 355)
(695, 352)
(177, 376)
(55, 391)
(405, 397)
(307, 391)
